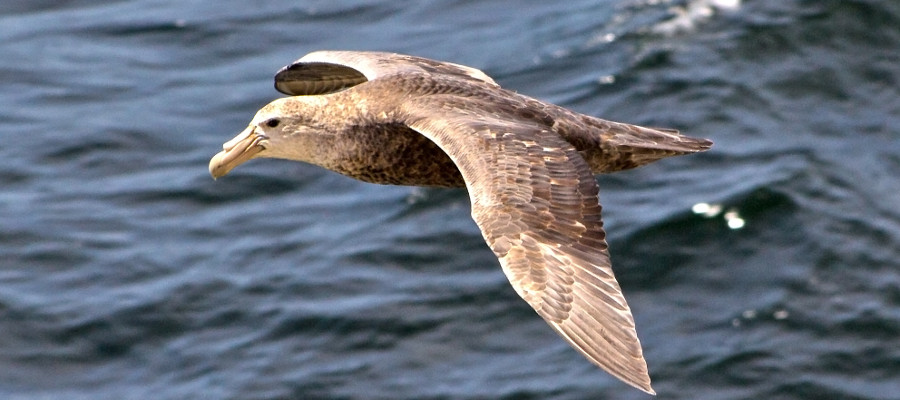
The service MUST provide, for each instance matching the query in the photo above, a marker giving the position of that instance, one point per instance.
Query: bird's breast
(394, 154)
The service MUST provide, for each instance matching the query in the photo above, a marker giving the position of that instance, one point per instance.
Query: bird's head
(279, 130)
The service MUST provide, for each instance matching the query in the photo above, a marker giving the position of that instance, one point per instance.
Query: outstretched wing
(324, 72)
(535, 199)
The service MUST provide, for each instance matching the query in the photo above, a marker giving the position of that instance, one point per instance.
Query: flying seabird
(528, 167)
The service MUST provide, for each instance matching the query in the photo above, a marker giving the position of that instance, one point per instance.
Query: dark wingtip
(312, 78)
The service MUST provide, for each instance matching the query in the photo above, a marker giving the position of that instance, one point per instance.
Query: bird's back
(607, 146)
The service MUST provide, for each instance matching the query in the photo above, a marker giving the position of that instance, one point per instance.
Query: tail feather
(639, 137)
(626, 146)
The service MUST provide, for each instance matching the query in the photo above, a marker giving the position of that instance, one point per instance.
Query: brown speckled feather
(535, 199)
(607, 146)
(528, 167)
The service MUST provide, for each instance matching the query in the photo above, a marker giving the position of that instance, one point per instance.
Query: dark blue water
(126, 272)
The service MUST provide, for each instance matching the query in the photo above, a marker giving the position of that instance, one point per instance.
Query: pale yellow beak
(236, 151)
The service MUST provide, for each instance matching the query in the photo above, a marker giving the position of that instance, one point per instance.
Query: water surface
(127, 273)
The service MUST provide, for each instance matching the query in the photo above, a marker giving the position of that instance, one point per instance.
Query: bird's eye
(273, 122)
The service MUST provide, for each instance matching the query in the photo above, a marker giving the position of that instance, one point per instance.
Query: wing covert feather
(323, 72)
(535, 200)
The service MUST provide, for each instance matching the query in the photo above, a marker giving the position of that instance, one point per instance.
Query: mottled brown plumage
(528, 167)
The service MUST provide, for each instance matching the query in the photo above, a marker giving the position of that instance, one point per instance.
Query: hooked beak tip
(243, 147)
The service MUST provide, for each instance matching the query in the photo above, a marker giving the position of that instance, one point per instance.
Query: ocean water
(766, 268)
